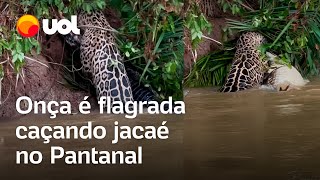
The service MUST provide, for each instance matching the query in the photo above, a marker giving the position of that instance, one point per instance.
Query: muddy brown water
(253, 134)
(159, 156)
(248, 135)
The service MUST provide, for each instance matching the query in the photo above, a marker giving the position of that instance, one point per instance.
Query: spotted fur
(101, 58)
(140, 92)
(247, 69)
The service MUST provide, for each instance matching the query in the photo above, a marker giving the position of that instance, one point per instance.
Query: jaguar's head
(252, 39)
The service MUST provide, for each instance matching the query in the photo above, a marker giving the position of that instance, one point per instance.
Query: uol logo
(28, 26)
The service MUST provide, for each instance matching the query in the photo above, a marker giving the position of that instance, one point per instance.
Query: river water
(254, 134)
(159, 156)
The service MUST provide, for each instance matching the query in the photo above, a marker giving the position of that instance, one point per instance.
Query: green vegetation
(291, 27)
(14, 48)
(210, 70)
(152, 40)
(151, 37)
(196, 23)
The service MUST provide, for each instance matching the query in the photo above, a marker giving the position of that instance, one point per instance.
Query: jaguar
(102, 61)
(247, 69)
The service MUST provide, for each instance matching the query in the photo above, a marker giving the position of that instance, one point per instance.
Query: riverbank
(41, 81)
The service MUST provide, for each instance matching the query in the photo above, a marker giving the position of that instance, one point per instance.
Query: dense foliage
(292, 30)
(291, 27)
(152, 40)
(196, 23)
(210, 70)
(151, 37)
(13, 48)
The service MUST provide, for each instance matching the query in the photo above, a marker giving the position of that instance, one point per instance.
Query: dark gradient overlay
(162, 159)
